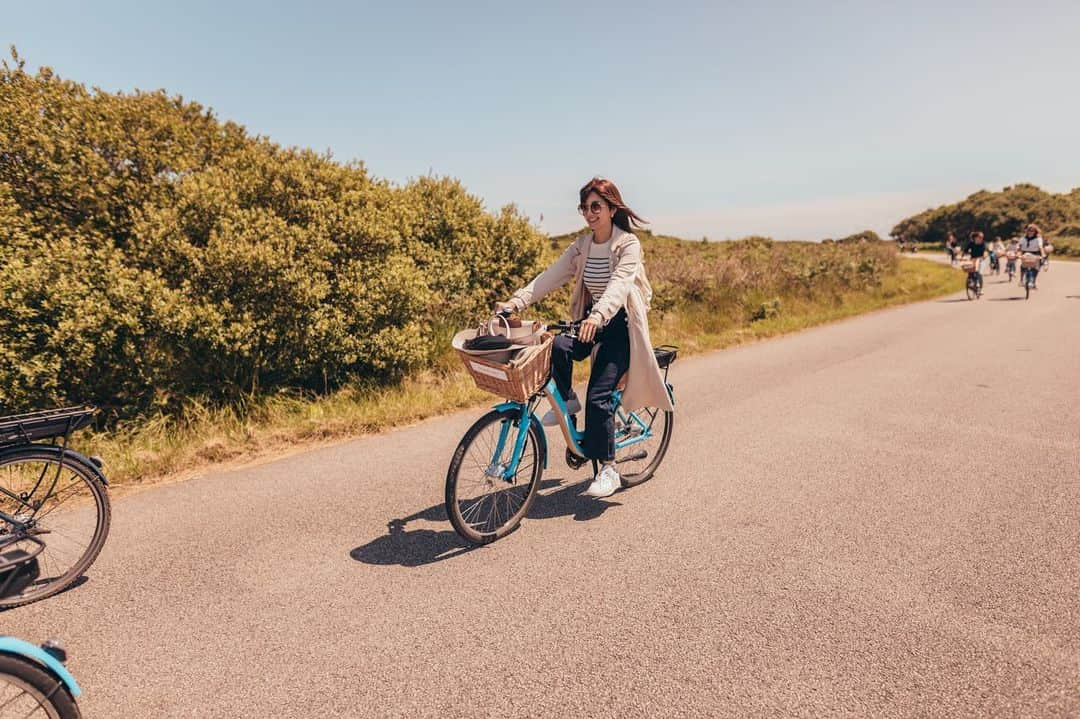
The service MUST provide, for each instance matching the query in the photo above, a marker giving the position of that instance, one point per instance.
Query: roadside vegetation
(222, 298)
(1001, 214)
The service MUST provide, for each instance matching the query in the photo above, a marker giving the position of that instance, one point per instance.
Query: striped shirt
(598, 269)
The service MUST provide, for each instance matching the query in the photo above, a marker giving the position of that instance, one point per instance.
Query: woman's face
(598, 213)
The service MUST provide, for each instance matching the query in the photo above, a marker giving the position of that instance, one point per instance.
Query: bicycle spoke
(472, 510)
(650, 421)
(484, 502)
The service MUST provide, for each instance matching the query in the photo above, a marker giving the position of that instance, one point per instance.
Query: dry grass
(160, 447)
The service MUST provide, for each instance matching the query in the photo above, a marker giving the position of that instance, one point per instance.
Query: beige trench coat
(627, 288)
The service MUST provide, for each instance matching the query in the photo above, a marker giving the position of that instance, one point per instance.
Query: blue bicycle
(495, 471)
(34, 681)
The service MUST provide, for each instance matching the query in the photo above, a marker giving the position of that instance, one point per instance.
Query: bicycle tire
(970, 290)
(633, 479)
(23, 679)
(102, 520)
(464, 520)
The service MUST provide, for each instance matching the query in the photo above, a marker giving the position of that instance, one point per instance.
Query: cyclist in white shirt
(997, 249)
(1032, 244)
(1012, 247)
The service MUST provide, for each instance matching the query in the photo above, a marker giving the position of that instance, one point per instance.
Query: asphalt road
(875, 518)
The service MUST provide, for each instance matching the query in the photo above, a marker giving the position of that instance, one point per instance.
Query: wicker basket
(967, 266)
(512, 381)
(1030, 262)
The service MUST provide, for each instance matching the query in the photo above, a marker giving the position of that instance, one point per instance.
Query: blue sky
(796, 120)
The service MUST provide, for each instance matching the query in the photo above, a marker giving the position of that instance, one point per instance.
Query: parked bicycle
(54, 508)
(496, 468)
(34, 681)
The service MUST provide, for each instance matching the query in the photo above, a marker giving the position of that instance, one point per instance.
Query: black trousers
(612, 362)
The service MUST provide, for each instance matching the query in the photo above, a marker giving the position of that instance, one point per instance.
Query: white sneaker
(607, 482)
(551, 419)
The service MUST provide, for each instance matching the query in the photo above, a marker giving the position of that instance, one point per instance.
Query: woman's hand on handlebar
(587, 330)
(505, 308)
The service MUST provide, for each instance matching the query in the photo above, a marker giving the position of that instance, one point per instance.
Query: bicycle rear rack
(49, 424)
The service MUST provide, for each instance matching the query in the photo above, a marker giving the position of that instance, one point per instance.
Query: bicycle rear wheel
(63, 518)
(638, 462)
(481, 503)
(970, 288)
(28, 691)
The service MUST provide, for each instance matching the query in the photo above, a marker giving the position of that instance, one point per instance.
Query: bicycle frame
(638, 431)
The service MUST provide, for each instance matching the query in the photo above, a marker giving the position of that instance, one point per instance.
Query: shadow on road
(958, 299)
(71, 587)
(417, 547)
(1005, 299)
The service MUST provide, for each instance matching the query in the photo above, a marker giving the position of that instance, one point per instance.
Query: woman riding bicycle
(1032, 244)
(611, 297)
(997, 249)
(976, 249)
(1012, 248)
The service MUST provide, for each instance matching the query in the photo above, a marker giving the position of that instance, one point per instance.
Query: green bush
(152, 253)
(997, 214)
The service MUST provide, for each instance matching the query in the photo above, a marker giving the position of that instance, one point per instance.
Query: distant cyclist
(997, 249)
(1013, 248)
(976, 249)
(1032, 244)
(952, 248)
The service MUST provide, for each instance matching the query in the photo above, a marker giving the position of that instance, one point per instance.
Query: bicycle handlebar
(570, 327)
(567, 327)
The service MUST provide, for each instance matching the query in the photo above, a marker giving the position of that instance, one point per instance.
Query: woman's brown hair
(1031, 227)
(606, 189)
(975, 234)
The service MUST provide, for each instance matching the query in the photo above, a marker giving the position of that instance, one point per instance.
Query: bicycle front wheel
(61, 514)
(637, 462)
(29, 692)
(483, 504)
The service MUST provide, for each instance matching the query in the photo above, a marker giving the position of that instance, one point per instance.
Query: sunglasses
(593, 207)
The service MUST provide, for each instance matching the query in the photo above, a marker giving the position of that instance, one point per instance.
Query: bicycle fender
(69, 454)
(539, 428)
(19, 648)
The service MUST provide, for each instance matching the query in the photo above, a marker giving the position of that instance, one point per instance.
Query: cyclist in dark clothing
(952, 248)
(977, 251)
